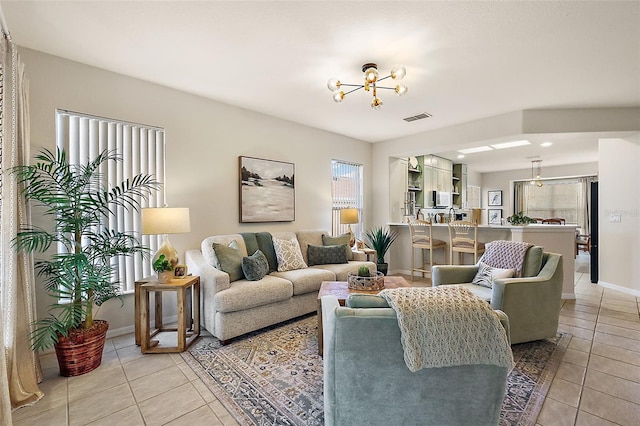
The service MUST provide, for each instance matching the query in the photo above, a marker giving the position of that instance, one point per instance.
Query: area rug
(274, 376)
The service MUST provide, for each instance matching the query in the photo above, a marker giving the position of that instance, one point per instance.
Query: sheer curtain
(584, 204)
(519, 196)
(19, 366)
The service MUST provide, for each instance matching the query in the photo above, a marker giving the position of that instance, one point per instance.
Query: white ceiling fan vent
(417, 117)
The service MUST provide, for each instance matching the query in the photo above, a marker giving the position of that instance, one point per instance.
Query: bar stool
(421, 232)
(463, 236)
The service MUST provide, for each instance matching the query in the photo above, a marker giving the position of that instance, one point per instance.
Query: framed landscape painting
(267, 190)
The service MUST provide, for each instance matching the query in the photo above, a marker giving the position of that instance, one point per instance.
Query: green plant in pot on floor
(80, 274)
(380, 239)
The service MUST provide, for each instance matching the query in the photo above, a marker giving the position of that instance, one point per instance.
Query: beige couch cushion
(245, 294)
(210, 255)
(342, 269)
(309, 237)
(306, 280)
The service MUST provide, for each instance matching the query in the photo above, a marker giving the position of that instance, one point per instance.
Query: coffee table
(340, 289)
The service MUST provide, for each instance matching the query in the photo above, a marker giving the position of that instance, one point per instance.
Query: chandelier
(537, 180)
(371, 80)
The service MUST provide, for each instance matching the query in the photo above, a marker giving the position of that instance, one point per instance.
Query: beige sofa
(230, 309)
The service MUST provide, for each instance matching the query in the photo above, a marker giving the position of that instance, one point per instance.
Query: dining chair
(463, 236)
(583, 241)
(421, 238)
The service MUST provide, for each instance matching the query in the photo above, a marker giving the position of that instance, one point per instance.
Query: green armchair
(367, 382)
(532, 302)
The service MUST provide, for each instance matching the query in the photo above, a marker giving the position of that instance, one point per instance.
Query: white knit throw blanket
(506, 255)
(446, 326)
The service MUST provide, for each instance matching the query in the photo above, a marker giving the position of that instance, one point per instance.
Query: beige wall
(204, 139)
(619, 250)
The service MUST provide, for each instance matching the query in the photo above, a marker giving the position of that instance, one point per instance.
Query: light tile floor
(598, 382)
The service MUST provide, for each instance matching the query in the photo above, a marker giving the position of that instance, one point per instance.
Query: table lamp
(347, 217)
(164, 221)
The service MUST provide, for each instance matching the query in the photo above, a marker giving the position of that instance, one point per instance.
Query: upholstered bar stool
(463, 237)
(421, 238)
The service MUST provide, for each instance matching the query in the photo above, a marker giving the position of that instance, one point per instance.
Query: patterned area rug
(274, 376)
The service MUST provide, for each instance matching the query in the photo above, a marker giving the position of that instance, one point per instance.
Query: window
(346, 192)
(142, 149)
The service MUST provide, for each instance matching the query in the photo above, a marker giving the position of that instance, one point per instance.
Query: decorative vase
(81, 351)
(373, 283)
(164, 277)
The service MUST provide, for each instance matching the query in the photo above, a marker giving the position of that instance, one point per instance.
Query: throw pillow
(255, 267)
(265, 244)
(328, 240)
(325, 255)
(288, 255)
(230, 259)
(486, 275)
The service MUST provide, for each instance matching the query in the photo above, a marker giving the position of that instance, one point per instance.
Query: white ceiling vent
(417, 117)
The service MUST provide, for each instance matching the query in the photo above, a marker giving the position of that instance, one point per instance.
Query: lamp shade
(349, 216)
(165, 220)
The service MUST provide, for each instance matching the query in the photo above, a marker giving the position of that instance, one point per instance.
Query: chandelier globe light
(536, 179)
(371, 80)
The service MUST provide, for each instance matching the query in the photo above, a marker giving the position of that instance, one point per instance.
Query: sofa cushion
(486, 274)
(250, 242)
(342, 269)
(265, 244)
(532, 262)
(245, 294)
(306, 280)
(230, 259)
(288, 254)
(255, 266)
(209, 253)
(322, 255)
(345, 239)
(309, 237)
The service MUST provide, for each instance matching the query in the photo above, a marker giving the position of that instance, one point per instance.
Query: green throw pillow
(265, 244)
(325, 255)
(255, 267)
(328, 240)
(230, 259)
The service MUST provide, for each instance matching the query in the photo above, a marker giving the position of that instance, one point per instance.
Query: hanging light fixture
(371, 80)
(537, 180)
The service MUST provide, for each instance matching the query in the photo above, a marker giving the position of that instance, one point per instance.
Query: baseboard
(621, 289)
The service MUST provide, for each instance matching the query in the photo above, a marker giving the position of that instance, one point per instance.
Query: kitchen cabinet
(459, 182)
(437, 176)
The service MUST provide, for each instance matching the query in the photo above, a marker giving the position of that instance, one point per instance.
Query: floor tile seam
(607, 393)
(619, 326)
(604, 418)
(615, 335)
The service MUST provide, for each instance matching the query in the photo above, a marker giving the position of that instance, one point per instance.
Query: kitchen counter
(554, 238)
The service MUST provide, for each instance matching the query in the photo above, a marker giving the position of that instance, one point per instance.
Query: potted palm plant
(80, 275)
(380, 239)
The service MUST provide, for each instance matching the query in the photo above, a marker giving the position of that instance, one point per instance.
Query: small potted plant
(163, 267)
(380, 240)
(363, 280)
(519, 219)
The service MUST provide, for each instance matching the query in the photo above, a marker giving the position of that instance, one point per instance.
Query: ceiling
(465, 60)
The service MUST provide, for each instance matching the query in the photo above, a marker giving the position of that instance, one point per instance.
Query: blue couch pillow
(255, 267)
(325, 255)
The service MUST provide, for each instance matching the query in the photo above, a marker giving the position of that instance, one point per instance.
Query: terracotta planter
(81, 351)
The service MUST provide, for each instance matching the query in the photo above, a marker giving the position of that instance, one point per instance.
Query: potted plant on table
(364, 280)
(380, 239)
(519, 219)
(163, 267)
(81, 273)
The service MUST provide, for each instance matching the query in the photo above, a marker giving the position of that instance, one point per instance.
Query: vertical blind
(346, 192)
(142, 149)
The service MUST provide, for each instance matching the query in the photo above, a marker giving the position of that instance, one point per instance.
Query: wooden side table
(143, 332)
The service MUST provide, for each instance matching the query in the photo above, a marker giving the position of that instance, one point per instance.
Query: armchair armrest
(453, 274)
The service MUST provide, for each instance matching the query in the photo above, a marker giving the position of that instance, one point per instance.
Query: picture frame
(180, 271)
(495, 198)
(267, 190)
(495, 217)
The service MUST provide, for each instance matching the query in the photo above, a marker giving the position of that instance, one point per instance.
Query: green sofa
(367, 382)
(532, 302)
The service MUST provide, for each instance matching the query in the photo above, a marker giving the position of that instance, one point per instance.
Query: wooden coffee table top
(340, 289)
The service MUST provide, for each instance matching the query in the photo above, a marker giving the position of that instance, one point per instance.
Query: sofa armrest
(211, 279)
(452, 274)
